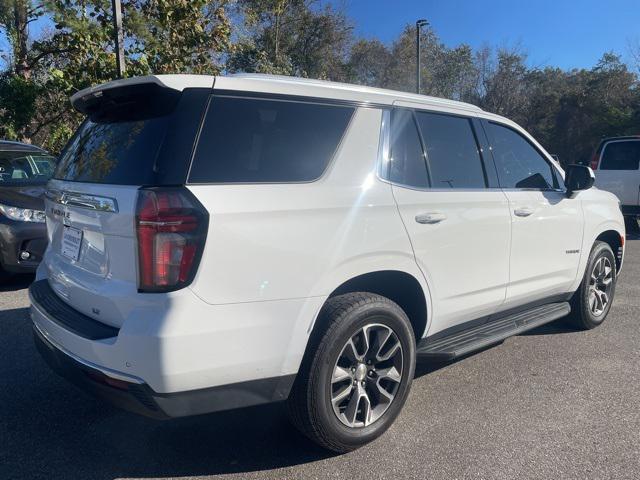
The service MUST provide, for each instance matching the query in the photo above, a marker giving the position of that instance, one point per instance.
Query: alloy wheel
(367, 375)
(600, 286)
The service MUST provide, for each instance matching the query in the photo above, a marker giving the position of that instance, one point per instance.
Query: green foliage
(17, 104)
(568, 111)
(292, 37)
(368, 62)
(161, 36)
(186, 36)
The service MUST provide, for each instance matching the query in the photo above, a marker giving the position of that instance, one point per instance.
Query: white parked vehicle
(220, 242)
(616, 163)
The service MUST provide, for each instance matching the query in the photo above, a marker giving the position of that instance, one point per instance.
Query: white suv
(222, 242)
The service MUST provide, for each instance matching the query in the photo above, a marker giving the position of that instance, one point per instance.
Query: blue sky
(564, 33)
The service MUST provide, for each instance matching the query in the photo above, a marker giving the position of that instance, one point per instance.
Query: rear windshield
(621, 156)
(249, 140)
(121, 153)
(122, 137)
(25, 167)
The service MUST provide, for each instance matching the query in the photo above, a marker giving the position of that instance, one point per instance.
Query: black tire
(4, 276)
(310, 406)
(582, 315)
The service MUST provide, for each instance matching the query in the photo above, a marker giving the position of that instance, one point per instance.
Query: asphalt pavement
(550, 404)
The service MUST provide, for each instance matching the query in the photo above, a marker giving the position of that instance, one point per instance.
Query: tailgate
(91, 259)
(135, 135)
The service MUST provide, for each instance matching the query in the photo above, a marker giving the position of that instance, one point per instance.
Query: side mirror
(578, 178)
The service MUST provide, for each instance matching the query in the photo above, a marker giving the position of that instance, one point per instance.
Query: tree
(292, 37)
(568, 111)
(603, 101)
(161, 36)
(181, 36)
(19, 86)
(15, 18)
(505, 89)
(445, 72)
(368, 63)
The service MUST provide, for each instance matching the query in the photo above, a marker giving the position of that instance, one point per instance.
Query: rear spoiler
(87, 100)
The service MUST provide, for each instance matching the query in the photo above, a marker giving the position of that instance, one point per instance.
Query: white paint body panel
(545, 246)
(274, 253)
(465, 257)
(270, 242)
(625, 184)
(105, 277)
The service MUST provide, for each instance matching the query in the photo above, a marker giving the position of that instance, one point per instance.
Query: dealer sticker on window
(71, 242)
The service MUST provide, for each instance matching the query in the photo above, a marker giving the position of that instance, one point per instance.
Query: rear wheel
(590, 305)
(4, 275)
(356, 376)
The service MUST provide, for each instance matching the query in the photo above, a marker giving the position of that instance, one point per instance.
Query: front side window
(25, 167)
(249, 140)
(518, 163)
(452, 151)
(621, 156)
(407, 164)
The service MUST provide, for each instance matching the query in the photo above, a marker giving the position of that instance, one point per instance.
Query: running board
(476, 338)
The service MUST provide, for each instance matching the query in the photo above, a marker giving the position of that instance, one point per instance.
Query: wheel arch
(616, 241)
(599, 227)
(399, 286)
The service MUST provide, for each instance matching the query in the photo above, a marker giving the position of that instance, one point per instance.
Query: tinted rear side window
(452, 151)
(407, 166)
(246, 140)
(621, 156)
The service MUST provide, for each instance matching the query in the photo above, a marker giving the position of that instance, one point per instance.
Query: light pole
(419, 24)
(119, 36)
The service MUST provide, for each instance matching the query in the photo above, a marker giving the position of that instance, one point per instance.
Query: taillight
(172, 228)
(595, 160)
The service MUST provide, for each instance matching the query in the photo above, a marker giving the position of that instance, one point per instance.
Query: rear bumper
(186, 359)
(132, 394)
(16, 237)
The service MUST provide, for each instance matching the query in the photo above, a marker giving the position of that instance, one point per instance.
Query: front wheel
(590, 305)
(357, 375)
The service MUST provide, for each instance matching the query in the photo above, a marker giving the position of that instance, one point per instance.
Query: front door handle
(430, 218)
(523, 211)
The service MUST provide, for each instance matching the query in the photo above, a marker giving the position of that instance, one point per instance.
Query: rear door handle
(523, 211)
(430, 218)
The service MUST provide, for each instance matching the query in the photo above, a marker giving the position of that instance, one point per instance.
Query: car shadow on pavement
(556, 327)
(49, 429)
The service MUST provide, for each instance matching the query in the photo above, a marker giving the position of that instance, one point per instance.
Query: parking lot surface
(553, 403)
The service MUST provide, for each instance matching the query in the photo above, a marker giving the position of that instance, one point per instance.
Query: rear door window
(407, 166)
(252, 140)
(453, 155)
(621, 156)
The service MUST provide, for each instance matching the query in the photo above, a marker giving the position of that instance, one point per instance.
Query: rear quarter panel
(284, 241)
